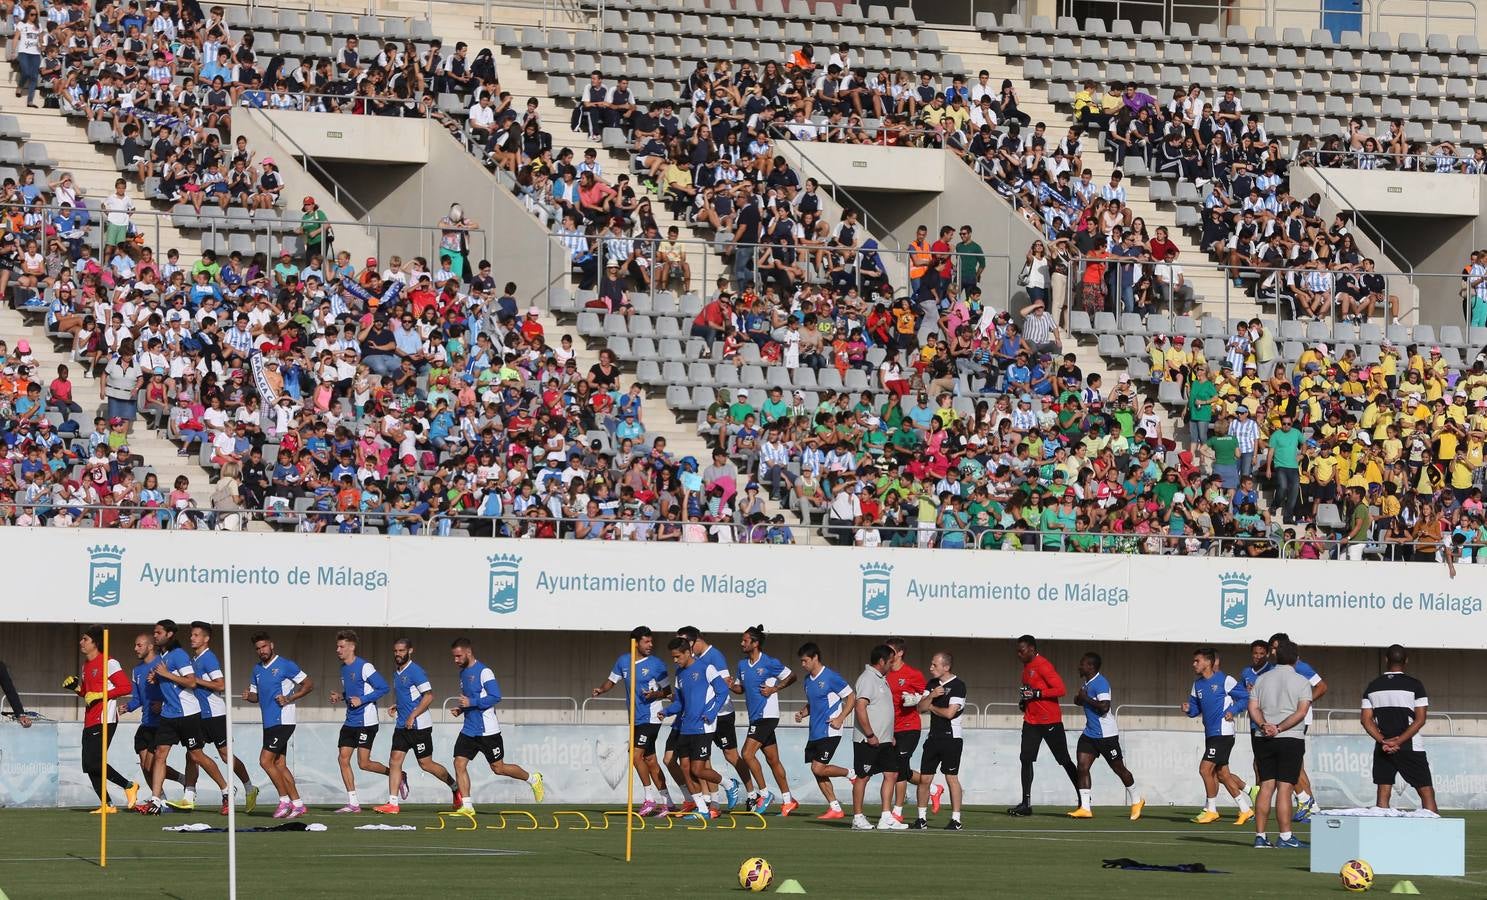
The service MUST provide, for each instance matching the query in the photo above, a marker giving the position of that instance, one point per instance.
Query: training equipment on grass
(755, 874)
(1404, 887)
(790, 886)
(1356, 875)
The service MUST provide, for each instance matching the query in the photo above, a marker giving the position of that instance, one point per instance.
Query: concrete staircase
(1208, 283)
(94, 173)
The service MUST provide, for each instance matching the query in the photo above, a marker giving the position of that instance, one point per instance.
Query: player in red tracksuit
(907, 685)
(100, 693)
(1042, 720)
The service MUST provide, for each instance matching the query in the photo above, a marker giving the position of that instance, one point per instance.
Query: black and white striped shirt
(1396, 698)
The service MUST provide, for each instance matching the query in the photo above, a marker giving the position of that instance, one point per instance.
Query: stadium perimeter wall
(586, 765)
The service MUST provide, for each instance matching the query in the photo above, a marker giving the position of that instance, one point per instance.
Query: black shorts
(1108, 747)
(1411, 765)
(1216, 750)
(1279, 759)
(144, 738)
(942, 754)
(276, 739)
(214, 731)
(725, 734)
(762, 732)
(868, 760)
(491, 746)
(673, 738)
(645, 738)
(185, 731)
(906, 742)
(357, 736)
(695, 746)
(418, 741)
(821, 750)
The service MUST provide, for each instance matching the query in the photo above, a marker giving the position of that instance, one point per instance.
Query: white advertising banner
(330, 580)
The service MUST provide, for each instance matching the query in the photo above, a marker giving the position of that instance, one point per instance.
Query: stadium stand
(443, 407)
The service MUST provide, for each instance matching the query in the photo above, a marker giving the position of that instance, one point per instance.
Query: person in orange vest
(919, 260)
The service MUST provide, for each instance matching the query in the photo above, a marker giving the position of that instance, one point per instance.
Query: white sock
(785, 797)
(283, 798)
(924, 812)
(190, 796)
(351, 799)
(1285, 835)
(898, 810)
(753, 795)
(955, 815)
(1303, 797)
(884, 816)
(468, 804)
(248, 786)
(1243, 800)
(1086, 796)
(300, 803)
(1131, 793)
(1213, 804)
(701, 800)
(650, 793)
(392, 800)
(532, 778)
(836, 805)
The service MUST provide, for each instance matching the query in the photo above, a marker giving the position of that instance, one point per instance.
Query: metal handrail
(837, 193)
(1315, 157)
(321, 174)
(211, 225)
(1037, 540)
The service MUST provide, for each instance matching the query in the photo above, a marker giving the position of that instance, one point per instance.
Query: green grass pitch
(53, 853)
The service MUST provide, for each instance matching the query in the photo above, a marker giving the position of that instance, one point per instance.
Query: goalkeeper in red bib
(102, 684)
(1042, 720)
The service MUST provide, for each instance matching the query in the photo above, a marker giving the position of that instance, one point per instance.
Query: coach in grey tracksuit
(1278, 705)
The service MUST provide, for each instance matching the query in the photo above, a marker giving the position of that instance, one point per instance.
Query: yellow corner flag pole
(629, 747)
(103, 790)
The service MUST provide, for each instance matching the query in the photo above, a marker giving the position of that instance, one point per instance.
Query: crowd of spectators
(418, 397)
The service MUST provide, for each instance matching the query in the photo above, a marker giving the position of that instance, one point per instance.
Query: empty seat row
(1209, 33)
(290, 21)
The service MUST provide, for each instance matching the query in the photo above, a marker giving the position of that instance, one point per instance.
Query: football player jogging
(944, 700)
(147, 698)
(826, 696)
(414, 728)
(276, 684)
(361, 687)
(103, 683)
(1304, 801)
(725, 731)
(1042, 720)
(1394, 710)
(211, 686)
(873, 752)
(651, 679)
(1217, 698)
(1101, 737)
(480, 735)
(180, 716)
(760, 679)
(907, 685)
(700, 693)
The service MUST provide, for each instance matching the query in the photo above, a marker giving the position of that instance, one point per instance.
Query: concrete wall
(570, 664)
(407, 200)
(298, 182)
(1406, 193)
(867, 167)
(378, 139)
